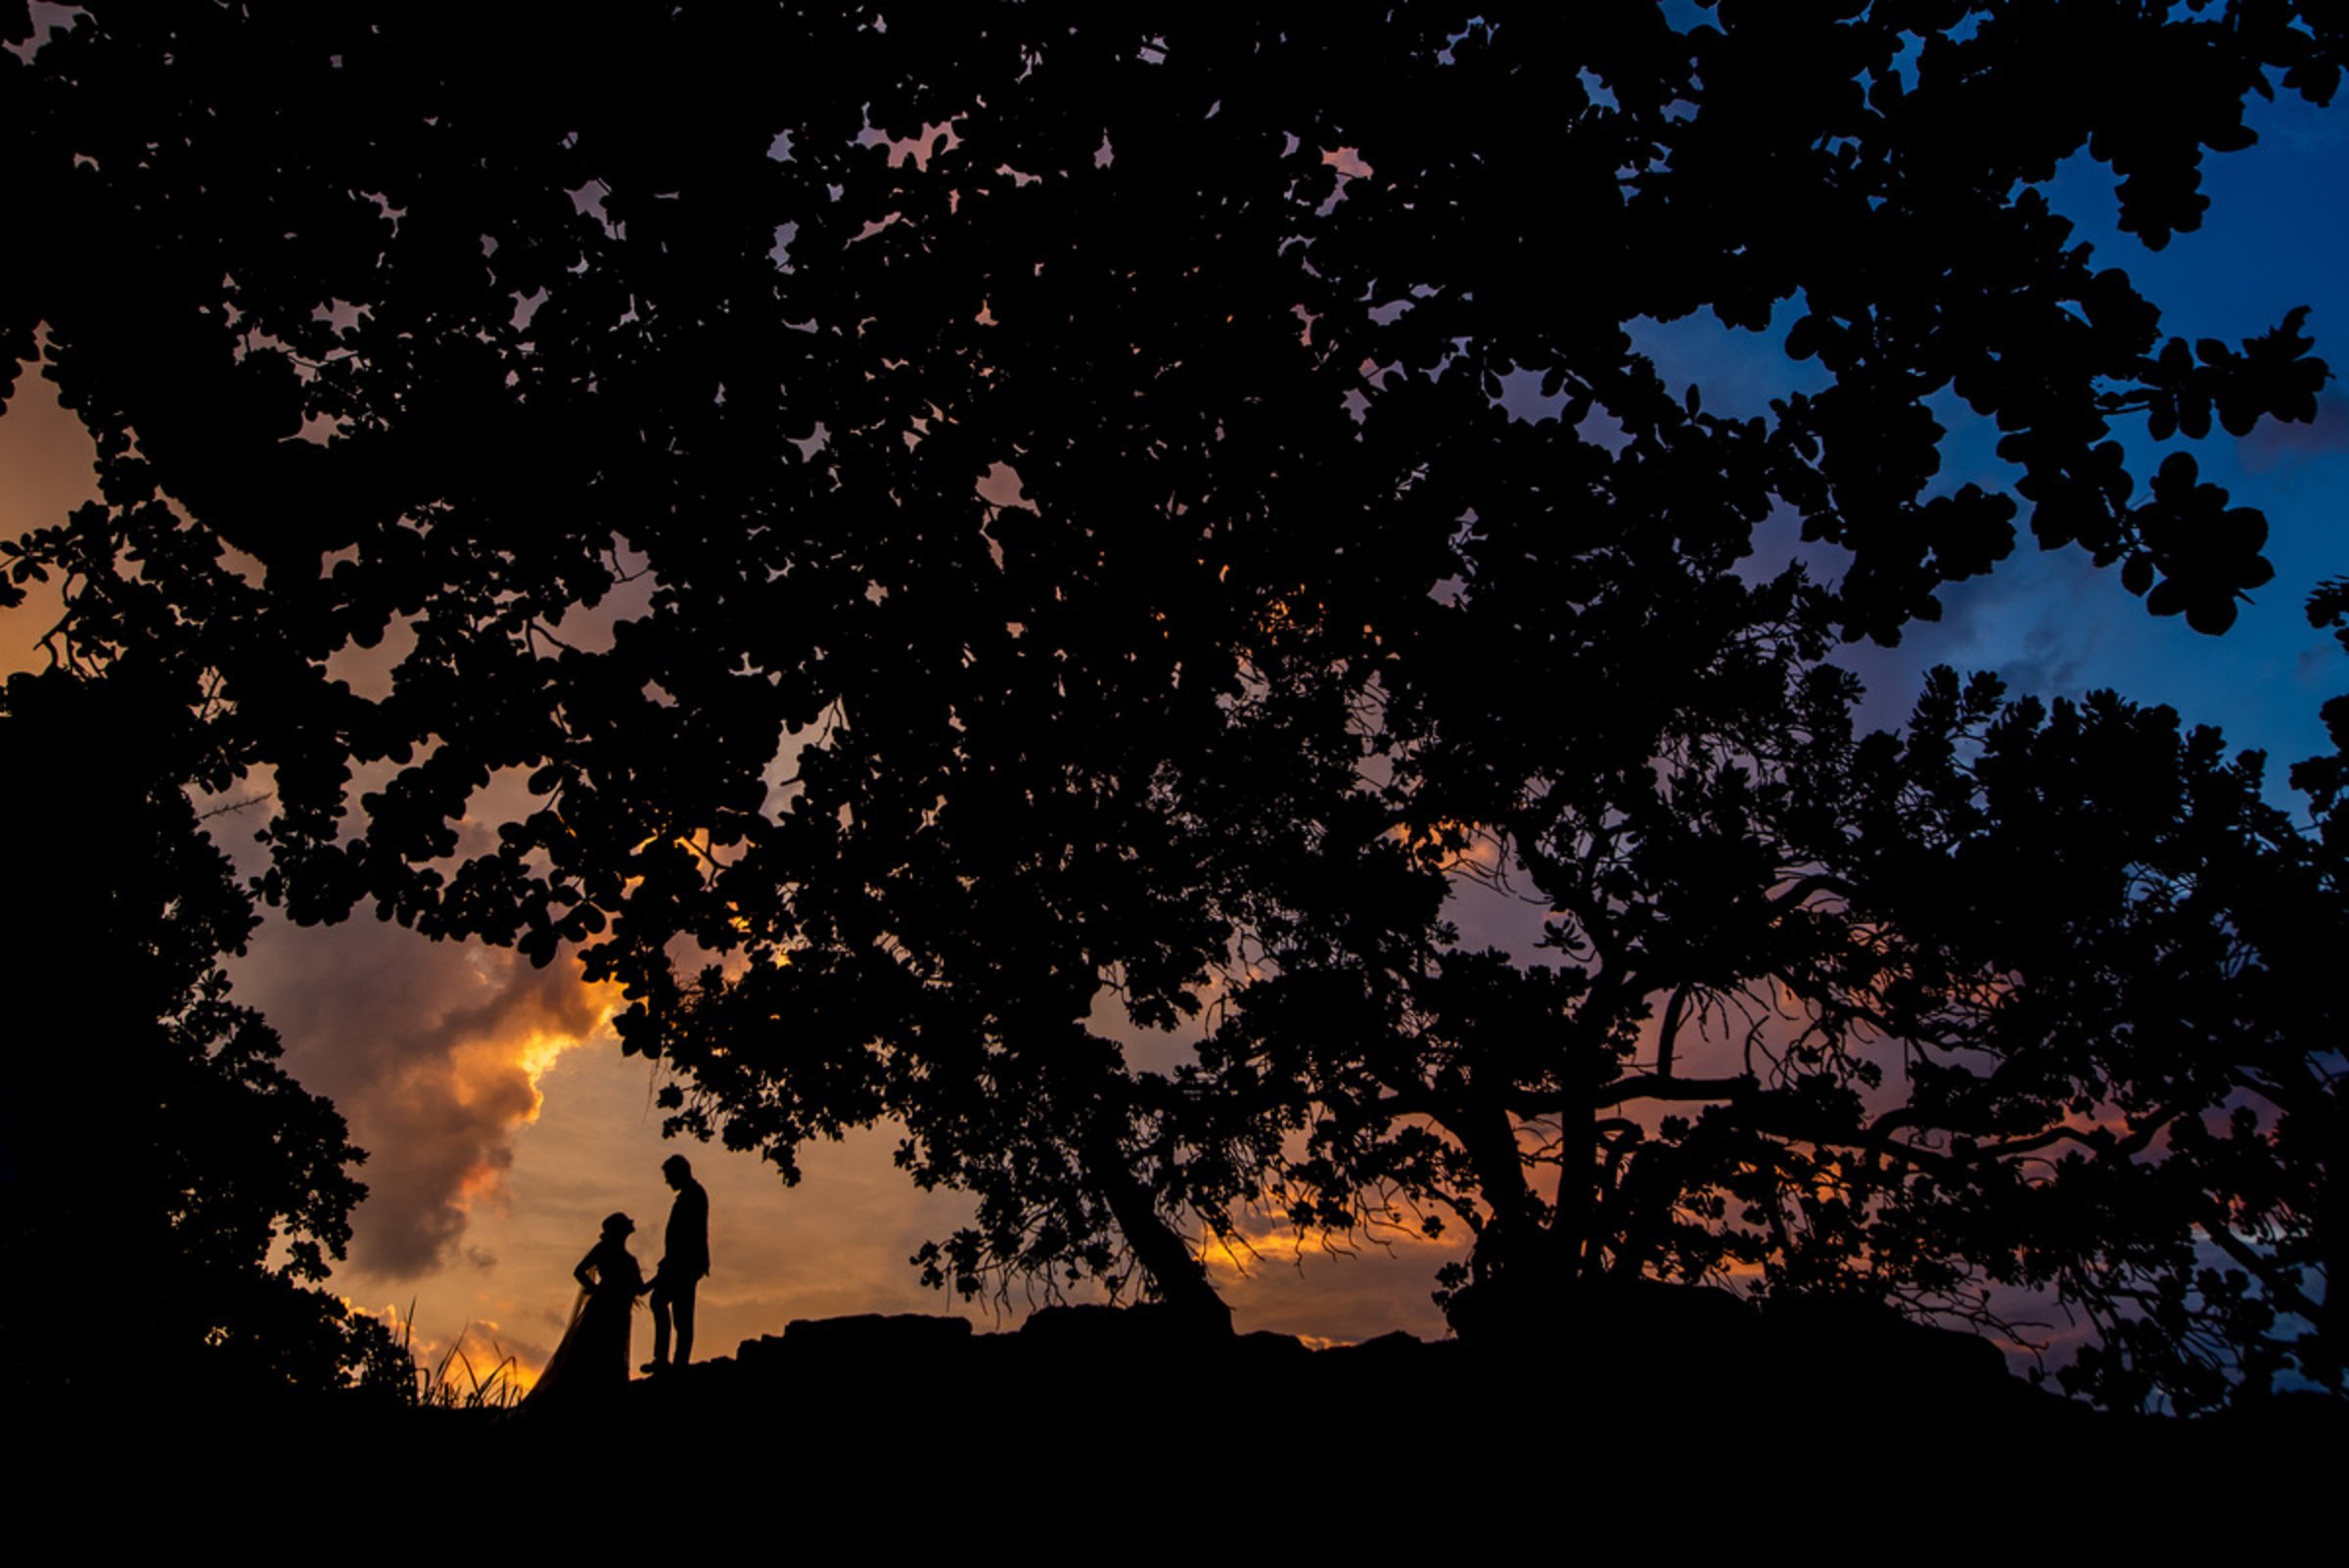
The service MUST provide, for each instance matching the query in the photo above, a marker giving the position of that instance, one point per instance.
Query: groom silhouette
(684, 1259)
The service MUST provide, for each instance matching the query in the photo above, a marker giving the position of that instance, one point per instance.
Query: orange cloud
(1248, 1249)
(1469, 847)
(47, 468)
(434, 1052)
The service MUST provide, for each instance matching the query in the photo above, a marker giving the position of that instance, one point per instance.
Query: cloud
(1336, 1289)
(2274, 445)
(433, 1054)
(47, 468)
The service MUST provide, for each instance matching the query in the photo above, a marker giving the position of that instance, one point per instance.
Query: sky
(504, 1124)
(2276, 237)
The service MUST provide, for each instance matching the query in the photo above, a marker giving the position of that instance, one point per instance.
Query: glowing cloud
(434, 1053)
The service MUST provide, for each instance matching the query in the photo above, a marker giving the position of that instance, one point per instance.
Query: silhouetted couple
(592, 1358)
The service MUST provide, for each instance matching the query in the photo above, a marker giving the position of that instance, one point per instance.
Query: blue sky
(2052, 624)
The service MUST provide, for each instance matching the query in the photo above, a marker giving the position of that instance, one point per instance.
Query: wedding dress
(591, 1362)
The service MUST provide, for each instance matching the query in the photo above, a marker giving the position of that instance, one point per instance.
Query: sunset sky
(504, 1123)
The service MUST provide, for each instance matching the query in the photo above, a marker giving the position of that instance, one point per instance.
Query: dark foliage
(965, 528)
(172, 1199)
(2018, 1001)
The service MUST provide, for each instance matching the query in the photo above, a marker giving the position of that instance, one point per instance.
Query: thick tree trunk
(1176, 1277)
(1516, 1281)
(1573, 1250)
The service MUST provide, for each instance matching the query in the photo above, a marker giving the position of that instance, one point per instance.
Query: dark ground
(1683, 1420)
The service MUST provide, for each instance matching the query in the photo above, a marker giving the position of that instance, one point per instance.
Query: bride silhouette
(592, 1360)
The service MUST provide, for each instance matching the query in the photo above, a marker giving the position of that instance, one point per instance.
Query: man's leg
(683, 1305)
(661, 1308)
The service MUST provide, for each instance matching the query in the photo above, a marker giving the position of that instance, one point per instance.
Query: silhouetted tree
(169, 1198)
(2018, 1001)
(970, 527)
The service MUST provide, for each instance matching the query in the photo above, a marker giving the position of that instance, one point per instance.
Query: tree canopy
(164, 1174)
(946, 547)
